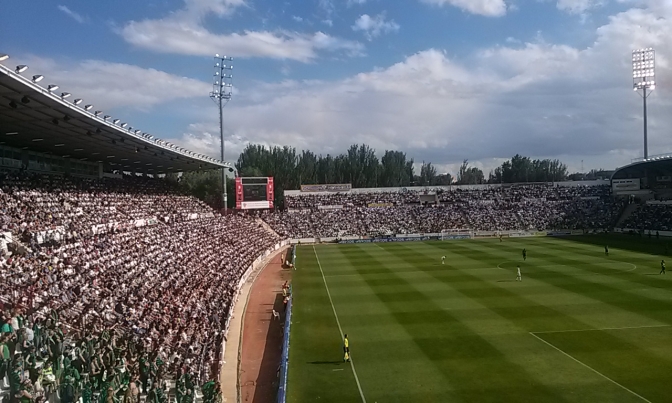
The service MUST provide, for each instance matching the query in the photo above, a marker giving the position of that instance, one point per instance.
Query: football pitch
(580, 326)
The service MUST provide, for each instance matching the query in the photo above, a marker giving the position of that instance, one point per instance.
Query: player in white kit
(443, 260)
(520, 276)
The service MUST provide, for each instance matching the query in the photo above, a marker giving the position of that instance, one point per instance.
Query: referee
(346, 348)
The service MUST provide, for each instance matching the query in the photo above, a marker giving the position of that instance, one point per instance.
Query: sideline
(589, 367)
(338, 322)
(229, 372)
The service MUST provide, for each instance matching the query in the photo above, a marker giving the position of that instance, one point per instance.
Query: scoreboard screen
(254, 193)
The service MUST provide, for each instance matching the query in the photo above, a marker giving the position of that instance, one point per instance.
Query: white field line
(338, 322)
(600, 329)
(590, 368)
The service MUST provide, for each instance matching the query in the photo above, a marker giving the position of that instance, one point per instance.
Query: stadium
(117, 285)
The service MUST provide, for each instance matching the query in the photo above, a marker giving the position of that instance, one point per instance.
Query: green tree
(469, 175)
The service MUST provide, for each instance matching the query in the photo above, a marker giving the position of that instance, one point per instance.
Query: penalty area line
(338, 322)
(590, 368)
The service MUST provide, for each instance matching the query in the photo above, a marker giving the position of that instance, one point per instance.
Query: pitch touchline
(600, 329)
(338, 322)
(590, 368)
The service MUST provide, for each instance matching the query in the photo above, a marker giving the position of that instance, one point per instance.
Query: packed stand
(114, 315)
(650, 217)
(496, 208)
(369, 221)
(41, 207)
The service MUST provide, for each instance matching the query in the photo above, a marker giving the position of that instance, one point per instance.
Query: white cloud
(297, 18)
(535, 98)
(489, 8)
(113, 85)
(579, 6)
(355, 2)
(183, 33)
(328, 23)
(374, 26)
(75, 16)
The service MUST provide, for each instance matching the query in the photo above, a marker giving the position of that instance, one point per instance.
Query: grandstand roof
(34, 118)
(657, 165)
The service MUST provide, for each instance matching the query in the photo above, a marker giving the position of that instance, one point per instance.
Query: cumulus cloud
(112, 85)
(75, 16)
(488, 8)
(374, 26)
(535, 98)
(183, 33)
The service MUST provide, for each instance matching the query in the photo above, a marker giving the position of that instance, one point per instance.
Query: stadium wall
(284, 362)
(651, 232)
(437, 236)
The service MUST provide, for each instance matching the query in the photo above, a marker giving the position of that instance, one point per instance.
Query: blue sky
(443, 80)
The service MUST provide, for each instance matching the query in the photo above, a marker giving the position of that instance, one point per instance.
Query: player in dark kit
(524, 254)
(662, 267)
(606, 250)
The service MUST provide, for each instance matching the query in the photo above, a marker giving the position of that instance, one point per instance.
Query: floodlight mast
(643, 78)
(221, 94)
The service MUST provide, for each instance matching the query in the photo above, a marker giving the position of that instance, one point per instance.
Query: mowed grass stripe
(608, 350)
(555, 281)
(461, 355)
(614, 293)
(385, 283)
(391, 367)
(315, 352)
(570, 381)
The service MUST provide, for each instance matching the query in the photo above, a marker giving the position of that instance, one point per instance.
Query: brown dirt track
(262, 335)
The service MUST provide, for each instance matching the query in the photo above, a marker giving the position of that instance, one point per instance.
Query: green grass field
(580, 327)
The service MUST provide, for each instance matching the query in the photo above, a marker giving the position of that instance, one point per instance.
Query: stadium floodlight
(37, 78)
(3, 57)
(115, 121)
(96, 113)
(21, 68)
(88, 107)
(106, 117)
(77, 101)
(221, 95)
(65, 95)
(124, 124)
(52, 87)
(643, 78)
(137, 132)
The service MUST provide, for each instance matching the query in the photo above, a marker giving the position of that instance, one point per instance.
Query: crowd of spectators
(521, 207)
(650, 217)
(113, 315)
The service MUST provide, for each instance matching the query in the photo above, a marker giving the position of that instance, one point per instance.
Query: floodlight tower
(221, 94)
(643, 78)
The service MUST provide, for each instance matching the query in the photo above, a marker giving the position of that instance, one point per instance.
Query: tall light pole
(643, 78)
(221, 94)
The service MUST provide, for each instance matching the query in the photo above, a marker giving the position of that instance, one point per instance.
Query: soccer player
(500, 237)
(606, 250)
(443, 260)
(520, 276)
(524, 254)
(346, 348)
(662, 267)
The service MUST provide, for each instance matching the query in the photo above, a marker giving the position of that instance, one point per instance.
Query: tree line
(359, 166)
